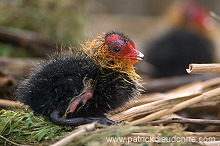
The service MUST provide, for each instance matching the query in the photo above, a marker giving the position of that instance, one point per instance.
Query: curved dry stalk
(69, 138)
(205, 96)
(169, 99)
(148, 108)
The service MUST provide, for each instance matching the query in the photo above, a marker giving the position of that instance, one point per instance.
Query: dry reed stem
(68, 139)
(170, 99)
(186, 121)
(203, 69)
(203, 97)
(148, 108)
(11, 104)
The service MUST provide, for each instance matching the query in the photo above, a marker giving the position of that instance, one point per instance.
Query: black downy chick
(82, 85)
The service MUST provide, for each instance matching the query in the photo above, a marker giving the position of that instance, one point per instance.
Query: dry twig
(203, 97)
(11, 104)
(69, 138)
(148, 108)
(204, 69)
(169, 99)
(186, 121)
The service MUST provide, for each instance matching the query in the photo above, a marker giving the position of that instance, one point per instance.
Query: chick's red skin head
(120, 47)
(114, 50)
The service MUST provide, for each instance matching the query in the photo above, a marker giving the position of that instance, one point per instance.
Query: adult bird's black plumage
(172, 53)
(187, 41)
(81, 86)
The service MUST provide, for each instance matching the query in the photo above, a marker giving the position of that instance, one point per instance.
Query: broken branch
(204, 69)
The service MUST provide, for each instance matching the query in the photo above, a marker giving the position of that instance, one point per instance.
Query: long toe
(106, 121)
(102, 120)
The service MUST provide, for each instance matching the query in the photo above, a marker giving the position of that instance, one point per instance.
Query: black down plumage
(52, 86)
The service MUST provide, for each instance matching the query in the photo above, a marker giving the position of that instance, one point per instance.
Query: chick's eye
(116, 49)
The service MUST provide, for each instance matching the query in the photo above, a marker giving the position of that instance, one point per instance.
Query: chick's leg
(79, 101)
(56, 119)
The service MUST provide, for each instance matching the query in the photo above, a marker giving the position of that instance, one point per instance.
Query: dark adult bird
(188, 41)
(81, 85)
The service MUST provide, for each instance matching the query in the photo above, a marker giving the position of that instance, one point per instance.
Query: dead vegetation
(152, 115)
(169, 108)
